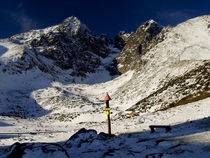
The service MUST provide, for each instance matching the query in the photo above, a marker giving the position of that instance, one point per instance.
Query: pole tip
(107, 97)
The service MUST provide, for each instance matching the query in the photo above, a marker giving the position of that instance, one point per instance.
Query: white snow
(196, 53)
(8, 49)
(73, 106)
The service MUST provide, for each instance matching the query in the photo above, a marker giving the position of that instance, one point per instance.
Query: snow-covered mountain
(172, 72)
(67, 53)
(138, 43)
(68, 46)
(47, 85)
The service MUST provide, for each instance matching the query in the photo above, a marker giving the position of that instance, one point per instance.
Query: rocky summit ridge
(174, 69)
(138, 43)
(170, 65)
(69, 45)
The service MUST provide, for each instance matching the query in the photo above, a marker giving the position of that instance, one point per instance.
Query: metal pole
(108, 118)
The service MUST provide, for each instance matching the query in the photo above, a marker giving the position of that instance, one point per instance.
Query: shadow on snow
(176, 143)
(3, 50)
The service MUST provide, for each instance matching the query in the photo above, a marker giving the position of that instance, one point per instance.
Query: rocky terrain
(121, 39)
(53, 82)
(174, 72)
(67, 53)
(138, 43)
(67, 46)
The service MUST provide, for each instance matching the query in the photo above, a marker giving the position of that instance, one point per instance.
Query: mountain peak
(151, 27)
(70, 46)
(137, 45)
(73, 24)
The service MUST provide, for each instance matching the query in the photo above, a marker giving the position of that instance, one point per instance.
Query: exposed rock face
(137, 45)
(175, 71)
(120, 39)
(69, 45)
(68, 53)
(170, 65)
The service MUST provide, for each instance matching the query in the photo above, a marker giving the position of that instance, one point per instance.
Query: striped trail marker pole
(107, 99)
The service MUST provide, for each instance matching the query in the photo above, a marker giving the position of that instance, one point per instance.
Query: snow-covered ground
(190, 131)
(52, 110)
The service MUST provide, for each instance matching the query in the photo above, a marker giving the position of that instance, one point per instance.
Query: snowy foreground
(189, 136)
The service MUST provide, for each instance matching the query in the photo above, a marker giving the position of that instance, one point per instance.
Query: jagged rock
(104, 136)
(33, 150)
(175, 69)
(84, 136)
(112, 68)
(120, 39)
(171, 65)
(69, 45)
(67, 52)
(137, 45)
(80, 137)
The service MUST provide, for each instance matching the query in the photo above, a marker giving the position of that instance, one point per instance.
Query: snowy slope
(171, 72)
(47, 101)
(189, 136)
(65, 53)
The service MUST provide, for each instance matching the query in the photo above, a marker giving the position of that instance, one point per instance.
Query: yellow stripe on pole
(108, 109)
(107, 112)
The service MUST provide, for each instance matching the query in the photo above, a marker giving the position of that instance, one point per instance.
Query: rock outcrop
(120, 39)
(34, 150)
(67, 46)
(171, 72)
(137, 45)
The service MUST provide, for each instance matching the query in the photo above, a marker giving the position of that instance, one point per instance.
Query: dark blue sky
(100, 16)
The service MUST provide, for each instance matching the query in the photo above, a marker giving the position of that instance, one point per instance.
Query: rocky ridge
(170, 64)
(138, 43)
(120, 39)
(68, 53)
(67, 46)
(171, 72)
